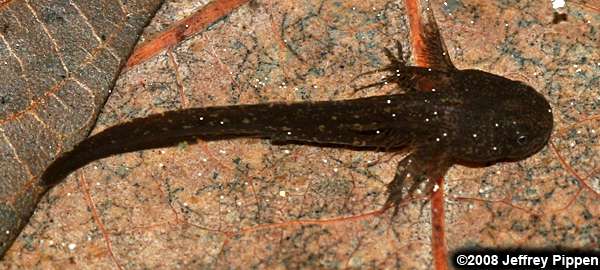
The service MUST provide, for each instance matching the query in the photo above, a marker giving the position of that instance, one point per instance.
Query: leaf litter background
(248, 203)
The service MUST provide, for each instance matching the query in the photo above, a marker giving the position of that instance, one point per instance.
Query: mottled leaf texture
(58, 61)
(250, 204)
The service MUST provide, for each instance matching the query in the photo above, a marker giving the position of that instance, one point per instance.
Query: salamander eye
(522, 140)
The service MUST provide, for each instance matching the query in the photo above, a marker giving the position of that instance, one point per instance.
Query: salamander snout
(530, 125)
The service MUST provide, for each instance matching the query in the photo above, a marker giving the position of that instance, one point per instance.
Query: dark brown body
(469, 117)
(442, 115)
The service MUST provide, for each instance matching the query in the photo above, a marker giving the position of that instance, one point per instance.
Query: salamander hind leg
(416, 174)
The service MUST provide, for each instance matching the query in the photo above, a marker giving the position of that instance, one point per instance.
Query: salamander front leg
(416, 173)
(402, 75)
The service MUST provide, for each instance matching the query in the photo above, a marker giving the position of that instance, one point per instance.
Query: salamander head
(509, 122)
(528, 128)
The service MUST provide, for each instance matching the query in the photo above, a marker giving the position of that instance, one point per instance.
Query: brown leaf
(58, 60)
(248, 203)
